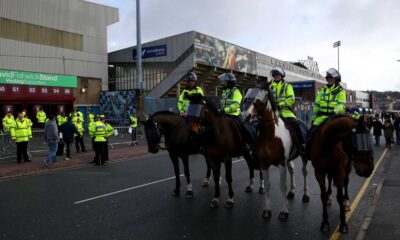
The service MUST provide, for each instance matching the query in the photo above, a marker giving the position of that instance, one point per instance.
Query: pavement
(11, 169)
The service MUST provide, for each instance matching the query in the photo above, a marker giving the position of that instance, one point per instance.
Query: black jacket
(68, 129)
(377, 125)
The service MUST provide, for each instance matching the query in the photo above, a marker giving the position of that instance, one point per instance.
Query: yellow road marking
(336, 233)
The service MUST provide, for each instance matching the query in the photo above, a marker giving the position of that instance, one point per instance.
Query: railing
(37, 143)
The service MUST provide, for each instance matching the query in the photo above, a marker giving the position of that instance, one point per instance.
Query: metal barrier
(37, 143)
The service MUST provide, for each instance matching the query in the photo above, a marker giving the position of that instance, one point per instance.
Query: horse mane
(213, 106)
(334, 133)
(163, 112)
(271, 99)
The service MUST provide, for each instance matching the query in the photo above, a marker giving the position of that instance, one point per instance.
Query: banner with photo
(118, 105)
(215, 52)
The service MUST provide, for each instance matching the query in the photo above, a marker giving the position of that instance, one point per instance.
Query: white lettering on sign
(15, 89)
(32, 90)
(44, 90)
(67, 91)
(56, 90)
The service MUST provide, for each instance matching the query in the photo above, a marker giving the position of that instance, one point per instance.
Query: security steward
(133, 125)
(21, 133)
(191, 89)
(98, 131)
(8, 121)
(41, 117)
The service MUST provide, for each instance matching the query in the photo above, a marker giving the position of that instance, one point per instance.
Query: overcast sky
(285, 29)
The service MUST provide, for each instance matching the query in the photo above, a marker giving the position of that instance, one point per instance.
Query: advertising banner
(151, 52)
(37, 79)
(215, 52)
(23, 92)
(117, 105)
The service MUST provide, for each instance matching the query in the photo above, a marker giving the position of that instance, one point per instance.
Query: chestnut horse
(274, 146)
(178, 144)
(337, 143)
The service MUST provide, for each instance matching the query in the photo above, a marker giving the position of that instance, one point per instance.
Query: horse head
(361, 153)
(153, 135)
(257, 102)
(201, 111)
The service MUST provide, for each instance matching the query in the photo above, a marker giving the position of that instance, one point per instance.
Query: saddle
(298, 135)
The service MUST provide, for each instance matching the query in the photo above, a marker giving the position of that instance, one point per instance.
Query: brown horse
(274, 146)
(220, 143)
(338, 142)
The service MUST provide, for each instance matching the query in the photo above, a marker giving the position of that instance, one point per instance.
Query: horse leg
(247, 157)
(228, 177)
(189, 189)
(346, 203)
(267, 210)
(290, 167)
(343, 228)
(306, 196)
(216, 172)
(284, 214)
(206, 181)
(261, 190)
(324, 199)
(175, 162)
(329, 192)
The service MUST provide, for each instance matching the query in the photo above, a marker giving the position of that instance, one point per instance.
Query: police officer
(355, 114)
(191, 89)
(61, 118)
(284, 97)
(133, 126)
(331, 99)
(21, 133)
(98, 131)
(8, 121)
(41, 117)
(79, 142)
(231, 96)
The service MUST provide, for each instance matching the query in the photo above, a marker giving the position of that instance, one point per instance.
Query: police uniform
(41, 118)
(330, 100)
(133, 125)
(183, 102)
(98, 131)
(21, 133)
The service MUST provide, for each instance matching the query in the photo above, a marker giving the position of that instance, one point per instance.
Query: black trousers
(133, 134)
(100, 152)
(22, 151)
(68, 150)
(79, 142)
(106, 150)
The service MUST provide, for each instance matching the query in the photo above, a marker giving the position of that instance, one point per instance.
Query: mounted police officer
(284, 97)
(231, 96)
(331, 100)
(191, 89)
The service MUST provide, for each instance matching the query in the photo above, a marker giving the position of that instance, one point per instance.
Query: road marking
(136, 187)
(336, 233)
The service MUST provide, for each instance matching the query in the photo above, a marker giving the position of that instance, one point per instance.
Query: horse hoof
(324, 227)
(261, 190)
(205, 184)
(343, 228)
(266, 214)
(283, 216)
(306, 198)
(346, 208)
(176, 193)
(248, 189)
(290, 195)
(229, 204)
(189, 194)
(214, 203)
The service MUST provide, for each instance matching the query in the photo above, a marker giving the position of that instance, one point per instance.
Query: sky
(288, 30)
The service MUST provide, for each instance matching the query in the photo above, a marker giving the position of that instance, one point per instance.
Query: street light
(337, 44)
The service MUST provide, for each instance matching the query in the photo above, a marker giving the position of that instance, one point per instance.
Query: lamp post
(337, 44)
(139, 83)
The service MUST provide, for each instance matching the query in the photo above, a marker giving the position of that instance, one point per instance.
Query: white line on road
(136, 187)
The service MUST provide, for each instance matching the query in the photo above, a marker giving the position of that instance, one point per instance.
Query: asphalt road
(48, 206)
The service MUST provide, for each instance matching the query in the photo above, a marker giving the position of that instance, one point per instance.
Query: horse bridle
(361, 141)
(158, 133)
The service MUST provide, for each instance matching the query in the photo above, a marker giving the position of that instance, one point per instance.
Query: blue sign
(151, 52)
(303, 85)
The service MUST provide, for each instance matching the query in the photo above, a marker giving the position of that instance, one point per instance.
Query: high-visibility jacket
(8, 121)
(75, 116)
(79, 127)
(98, 131)
(330, 100)
(41, 116)
(183, 103)
(28, 121)
(230, 101)
(133, 121)
(91, 117)
(21, 131)
(61, 119)
(109, 130)
(355, 115)
(284, 98)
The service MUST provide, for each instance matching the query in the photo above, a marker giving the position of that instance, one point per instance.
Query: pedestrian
(377, 129)
(388, 130)
(98, 131)
(51, 137)
(133, 126)
(79, 137)
(68, 130)
(396, 126)
(21, 133)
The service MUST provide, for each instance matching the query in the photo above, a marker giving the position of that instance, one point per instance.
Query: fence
(37, 143)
